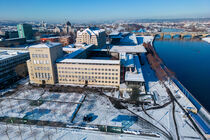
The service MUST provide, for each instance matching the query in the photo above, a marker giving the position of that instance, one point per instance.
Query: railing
(187, 94)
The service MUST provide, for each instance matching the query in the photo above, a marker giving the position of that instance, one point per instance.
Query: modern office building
(25, 31)
(41, 65)
(94, 36)
(9, 60)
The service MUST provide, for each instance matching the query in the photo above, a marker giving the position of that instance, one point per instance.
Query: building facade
(25, 31)
(91, 36)
(9, 60)
(48, 66)
(89, 72)
(41, 65)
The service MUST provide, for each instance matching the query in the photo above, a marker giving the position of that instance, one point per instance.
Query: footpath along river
(190, 60)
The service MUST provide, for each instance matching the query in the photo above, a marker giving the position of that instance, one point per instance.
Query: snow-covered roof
(127, 60)
(128, 48)
(91, 31)
(5, 54)
(90, 61)
(136, 75)
(114, 33)
(74, 54)
(144, 39)
(207, 39)
(70, 49)
(128, 39)
(46, 45)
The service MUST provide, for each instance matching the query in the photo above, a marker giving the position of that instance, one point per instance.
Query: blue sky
(89, 10)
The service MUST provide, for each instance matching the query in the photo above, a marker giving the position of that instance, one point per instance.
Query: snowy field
(104, 113)
(40, 104)
(27, 132)
(58, 107)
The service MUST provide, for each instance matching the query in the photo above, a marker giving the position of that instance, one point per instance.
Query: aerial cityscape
(104, 70)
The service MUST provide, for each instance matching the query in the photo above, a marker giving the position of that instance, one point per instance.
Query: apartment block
(94, 36)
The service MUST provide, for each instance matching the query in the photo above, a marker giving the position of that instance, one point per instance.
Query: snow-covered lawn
(26, 132)
(58, 107)
(103, 111)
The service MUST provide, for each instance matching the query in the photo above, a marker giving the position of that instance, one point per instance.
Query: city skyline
(93, 10)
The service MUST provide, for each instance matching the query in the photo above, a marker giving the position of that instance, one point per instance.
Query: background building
(41, 66)
(64, 40)
(94, 36)
(25, 31)
(12, 42)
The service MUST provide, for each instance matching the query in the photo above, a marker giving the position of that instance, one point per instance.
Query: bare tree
(6, 131)
(48, 135)
(21, 70)
(34, 133)
(1, 106)
(19, 132)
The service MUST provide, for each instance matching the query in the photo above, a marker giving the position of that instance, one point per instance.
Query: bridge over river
(178, 35)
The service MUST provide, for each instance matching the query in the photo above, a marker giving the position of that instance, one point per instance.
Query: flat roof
(70, 49)
(45, 45)
(127, 59)
(5, 54)
(90, 61)
(128, 48)
(124, 49)
(135, 76)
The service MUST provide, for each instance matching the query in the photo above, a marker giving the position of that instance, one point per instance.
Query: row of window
(14, 59)
(89, 77)
(42, 75)
(78, 63)
(40, 55)
(41, 62)
(99, 69)
(41, 68)
(73, 80)
(98, 73)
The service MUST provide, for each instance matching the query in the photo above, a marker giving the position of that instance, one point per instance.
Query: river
(190, 60)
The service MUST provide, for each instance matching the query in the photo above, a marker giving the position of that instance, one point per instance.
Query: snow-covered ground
(27, 132)
(207, 39)
(58, 107)
(103, 111)
(162, 117)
